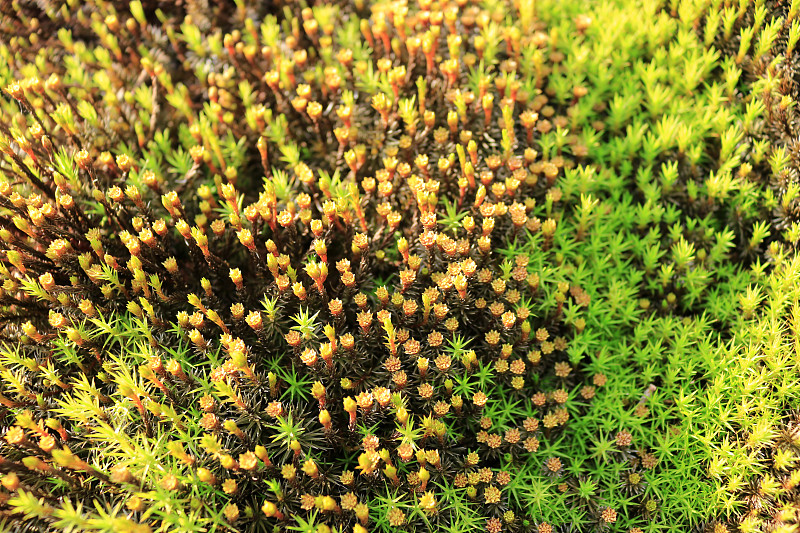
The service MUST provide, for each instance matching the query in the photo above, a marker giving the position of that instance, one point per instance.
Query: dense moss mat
(399, 266)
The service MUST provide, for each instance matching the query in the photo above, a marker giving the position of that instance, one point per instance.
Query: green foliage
(370, 266)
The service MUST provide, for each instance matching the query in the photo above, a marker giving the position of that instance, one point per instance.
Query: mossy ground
(399, 266)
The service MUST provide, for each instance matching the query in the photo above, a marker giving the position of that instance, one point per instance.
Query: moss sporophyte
(429, 265)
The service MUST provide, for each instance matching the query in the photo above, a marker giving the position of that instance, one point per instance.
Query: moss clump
(381, 266)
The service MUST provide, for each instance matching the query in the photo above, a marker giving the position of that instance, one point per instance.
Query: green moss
(380, 266)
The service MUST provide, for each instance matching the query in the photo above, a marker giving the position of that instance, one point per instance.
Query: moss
(380, 266)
